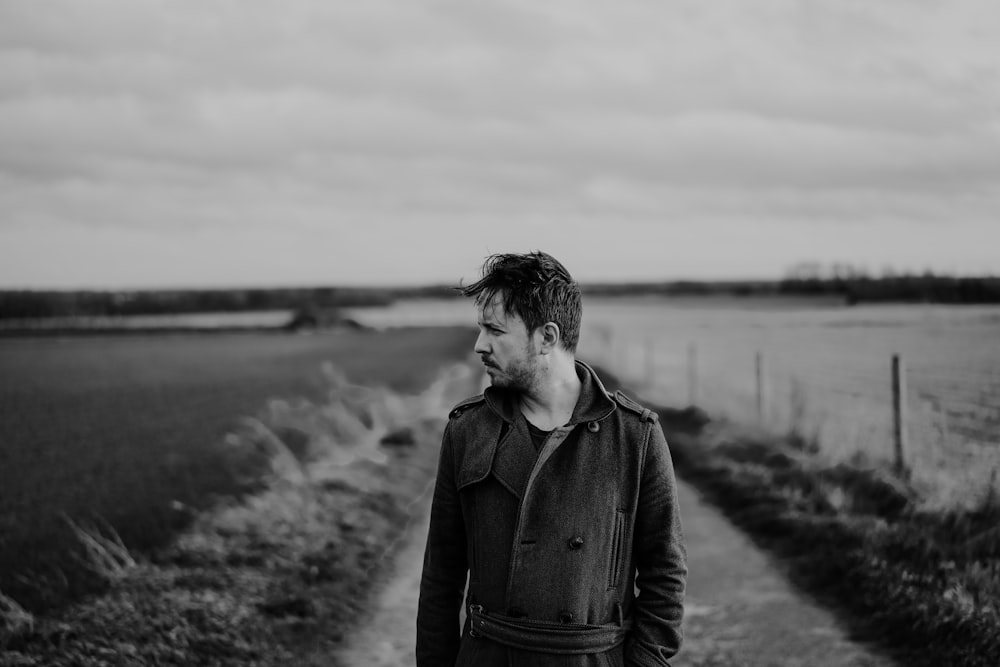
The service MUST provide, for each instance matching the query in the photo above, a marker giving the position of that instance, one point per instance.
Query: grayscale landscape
(230, 336)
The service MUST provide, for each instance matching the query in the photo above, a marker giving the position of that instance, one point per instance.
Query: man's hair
(534, 286)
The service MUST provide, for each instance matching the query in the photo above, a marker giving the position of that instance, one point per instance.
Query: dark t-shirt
(537, 435)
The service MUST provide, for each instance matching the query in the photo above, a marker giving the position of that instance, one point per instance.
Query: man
(554, 499)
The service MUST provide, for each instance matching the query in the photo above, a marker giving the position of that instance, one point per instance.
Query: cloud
(146, 115)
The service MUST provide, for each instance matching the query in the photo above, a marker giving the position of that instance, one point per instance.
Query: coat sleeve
(442, 584)
(661, 569)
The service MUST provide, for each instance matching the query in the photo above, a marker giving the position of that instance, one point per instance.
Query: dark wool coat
(584, 531)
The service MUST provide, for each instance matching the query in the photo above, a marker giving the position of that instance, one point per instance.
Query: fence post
(609, 346)
(650, 375)
(899, 413)
(614, 360)
(622, 358)
(760, 385)
(692, 374)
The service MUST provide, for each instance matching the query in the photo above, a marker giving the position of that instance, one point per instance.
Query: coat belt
(544, 636)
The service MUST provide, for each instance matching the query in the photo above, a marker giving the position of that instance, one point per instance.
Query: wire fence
(939, 423)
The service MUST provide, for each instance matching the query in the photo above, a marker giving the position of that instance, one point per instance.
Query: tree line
(857, 286)
(804, 280)
(18, 304)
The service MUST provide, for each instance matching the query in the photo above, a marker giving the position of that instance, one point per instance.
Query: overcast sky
(296, 142)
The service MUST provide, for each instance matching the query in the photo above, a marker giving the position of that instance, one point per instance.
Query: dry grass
(15, 622)
(104, 553)
(923, 583)
(285, 571)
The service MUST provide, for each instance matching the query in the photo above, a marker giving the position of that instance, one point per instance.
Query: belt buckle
(474, 609)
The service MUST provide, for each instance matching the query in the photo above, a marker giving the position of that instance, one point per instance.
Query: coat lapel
(515, 458)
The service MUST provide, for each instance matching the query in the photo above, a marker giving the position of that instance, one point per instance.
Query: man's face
(508, 351)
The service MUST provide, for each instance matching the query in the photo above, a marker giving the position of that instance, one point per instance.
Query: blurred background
(814, 183)
(786, 213)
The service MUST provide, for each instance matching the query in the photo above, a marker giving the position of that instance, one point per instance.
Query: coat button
(565, 617)
(576, 542)
(593, 427)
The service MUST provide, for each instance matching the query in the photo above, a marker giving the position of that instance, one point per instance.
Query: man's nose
(481, 345)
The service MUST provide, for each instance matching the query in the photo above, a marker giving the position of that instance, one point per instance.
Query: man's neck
(550, 403)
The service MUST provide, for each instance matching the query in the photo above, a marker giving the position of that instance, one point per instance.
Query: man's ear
(550, 337)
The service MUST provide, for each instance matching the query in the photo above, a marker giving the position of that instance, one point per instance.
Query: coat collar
(594, 403)
(515, 456)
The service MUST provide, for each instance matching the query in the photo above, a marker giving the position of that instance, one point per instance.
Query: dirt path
(740, 610)
(389, 638)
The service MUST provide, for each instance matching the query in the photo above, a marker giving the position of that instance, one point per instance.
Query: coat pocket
(617, 550)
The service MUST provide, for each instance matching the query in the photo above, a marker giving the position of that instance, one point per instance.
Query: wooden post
(692, 374)
(622, 350)
(899, 413)
(759, 370)
(650, 374)
(613, 355)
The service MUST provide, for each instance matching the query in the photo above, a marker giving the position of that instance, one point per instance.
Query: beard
(516, 379)
(519, 376)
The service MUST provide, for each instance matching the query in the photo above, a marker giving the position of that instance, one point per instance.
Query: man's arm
(445, 568)
(661, 569)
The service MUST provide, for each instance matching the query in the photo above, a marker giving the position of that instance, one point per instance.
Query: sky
(156, 143)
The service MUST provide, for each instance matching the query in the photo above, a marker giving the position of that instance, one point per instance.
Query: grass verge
(278, 575)
(923, 584)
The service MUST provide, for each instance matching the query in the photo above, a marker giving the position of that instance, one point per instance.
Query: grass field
(826, 371)
(126, 429)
